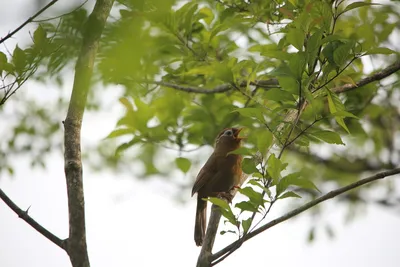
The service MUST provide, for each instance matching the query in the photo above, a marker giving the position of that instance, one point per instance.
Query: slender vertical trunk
(76, 245)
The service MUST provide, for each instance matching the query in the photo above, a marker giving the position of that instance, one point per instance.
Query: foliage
(191, 68)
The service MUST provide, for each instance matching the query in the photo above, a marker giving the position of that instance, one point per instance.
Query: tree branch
(307, 206)
(274, 83)
(77, 248)
(216, 90)
(204, 259)
(205, 256)
(27, 21)
(372, 78)
(29, 220)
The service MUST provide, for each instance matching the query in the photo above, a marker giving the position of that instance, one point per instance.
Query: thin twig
(218, 89)
(62, 15)
(335, 76)
(302, 132)
(29, 220)
(307, 206)
(27, 21)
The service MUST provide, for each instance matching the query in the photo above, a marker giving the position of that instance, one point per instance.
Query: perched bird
(218, 176)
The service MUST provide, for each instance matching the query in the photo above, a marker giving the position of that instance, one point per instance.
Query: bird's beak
(237, 134)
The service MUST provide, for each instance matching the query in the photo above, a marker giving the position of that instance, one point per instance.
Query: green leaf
(124, 101)
(121, 148)
(341, 122)
(311, 235)
(246, 206)
(343, 113)
(119, 132)
(257, 183)
(264, 141)
(380, 50)
(296, 38)
(329, 137)
(223, 72)
(332, 38)
(289, 194)
(19, 59)
(218, 28)
(183, 164)
(289, 84)
(331, 104)
(249, 166)
(251, 113)
(205, 70)
(357, 5)
(275, 166)
(342, 53)
(273, 52)
(208, 15)
(39, 36)
(3, 62)
(229, 231)
(294, 179)
(228, 214)
(279, 95)
(10, 170)
(314, 41)
(219, 202)
(330, 49)
(246, 224)
(257, 175)
(336, 105)
(282, 70)
(188, 17)
(255, 197)
(297, 64)
(285, 182)
(225, 209)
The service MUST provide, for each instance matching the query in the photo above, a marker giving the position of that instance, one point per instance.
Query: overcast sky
(136, 223)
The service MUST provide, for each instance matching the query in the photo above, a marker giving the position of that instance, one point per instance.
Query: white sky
(146, 227)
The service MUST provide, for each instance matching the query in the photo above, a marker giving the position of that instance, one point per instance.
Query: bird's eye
(228, 133)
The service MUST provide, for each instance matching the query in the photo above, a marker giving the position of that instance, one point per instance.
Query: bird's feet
(226, 195)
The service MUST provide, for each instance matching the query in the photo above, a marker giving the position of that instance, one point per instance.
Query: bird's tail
(200, 224)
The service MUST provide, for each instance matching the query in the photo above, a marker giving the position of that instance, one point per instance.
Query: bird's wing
(206, 173)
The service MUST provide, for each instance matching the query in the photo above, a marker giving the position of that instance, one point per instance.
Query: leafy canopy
(191, 68)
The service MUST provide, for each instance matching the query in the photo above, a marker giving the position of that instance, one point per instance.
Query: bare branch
(77, 248)
(307, 206)
(29, 220)
(27, 21)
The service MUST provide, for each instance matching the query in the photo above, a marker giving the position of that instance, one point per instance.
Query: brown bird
(218, 176)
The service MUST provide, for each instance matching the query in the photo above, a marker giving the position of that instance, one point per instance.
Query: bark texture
(76, 245)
